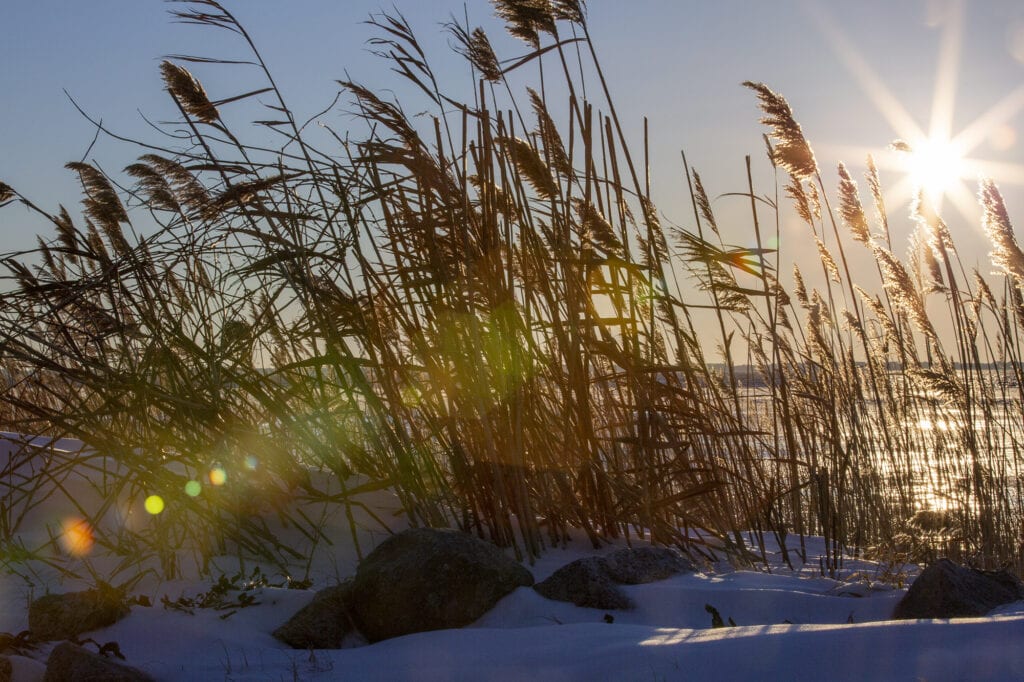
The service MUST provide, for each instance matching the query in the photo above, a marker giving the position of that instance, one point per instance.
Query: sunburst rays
(943, 161)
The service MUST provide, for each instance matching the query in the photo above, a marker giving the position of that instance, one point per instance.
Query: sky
(857, 75)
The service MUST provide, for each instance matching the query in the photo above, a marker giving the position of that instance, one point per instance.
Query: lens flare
(76, 537)
(154, 504)
(193, 488)
(218, 476)
(251, 462)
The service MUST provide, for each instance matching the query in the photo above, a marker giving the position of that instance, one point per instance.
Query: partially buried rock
(584, 582)
(592, 582)
(63, 616)
(424, 579)
(947, 590)
(320, 624)
(71, 662)
(641, 565)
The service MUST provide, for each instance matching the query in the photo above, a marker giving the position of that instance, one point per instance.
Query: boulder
(592, 581)
(947, 590)
(65, 616)
(585, 582)
(71, 662)
(641, 565)
(424, 579)
(320, 624)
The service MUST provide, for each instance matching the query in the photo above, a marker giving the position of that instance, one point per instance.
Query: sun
(934, 158)
(934, 165)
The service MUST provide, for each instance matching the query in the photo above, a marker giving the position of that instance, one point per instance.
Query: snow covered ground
(790, 625)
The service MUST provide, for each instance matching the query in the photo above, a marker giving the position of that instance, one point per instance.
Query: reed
(481, 310)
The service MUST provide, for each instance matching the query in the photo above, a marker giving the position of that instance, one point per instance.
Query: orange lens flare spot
(154, 504)
(218, 476)
(76, 537)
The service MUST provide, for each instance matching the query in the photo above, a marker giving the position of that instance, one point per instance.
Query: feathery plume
(476, 48)
(597, 228)
(828, 261)
(799, 288)
(533, 168)
(527, 19)
(569, 10)
(792, 150)
(703, 204)
(102, 204)
(553, 144)
(188, 92)
(795, 191)
(1006, 254)
(875, 185)
(850, 207)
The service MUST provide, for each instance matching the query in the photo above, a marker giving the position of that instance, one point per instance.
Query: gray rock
(424, 579)
(63, 616)
(71, 662)
(585, 582)
(320, 624)
(641, 565)
(946, 590)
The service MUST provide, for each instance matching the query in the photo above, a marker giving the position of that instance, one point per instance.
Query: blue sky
(678, 63)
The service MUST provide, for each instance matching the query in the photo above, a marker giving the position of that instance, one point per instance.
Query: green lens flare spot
(193, 488)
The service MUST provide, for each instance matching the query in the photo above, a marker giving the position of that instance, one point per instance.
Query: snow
(791, 625)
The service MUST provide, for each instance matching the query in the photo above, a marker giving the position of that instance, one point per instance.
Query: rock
(946, 590)
(424, 579)
(320, 624)
(641, 565)
(585, 582)
(71, 662)
(64, 616)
